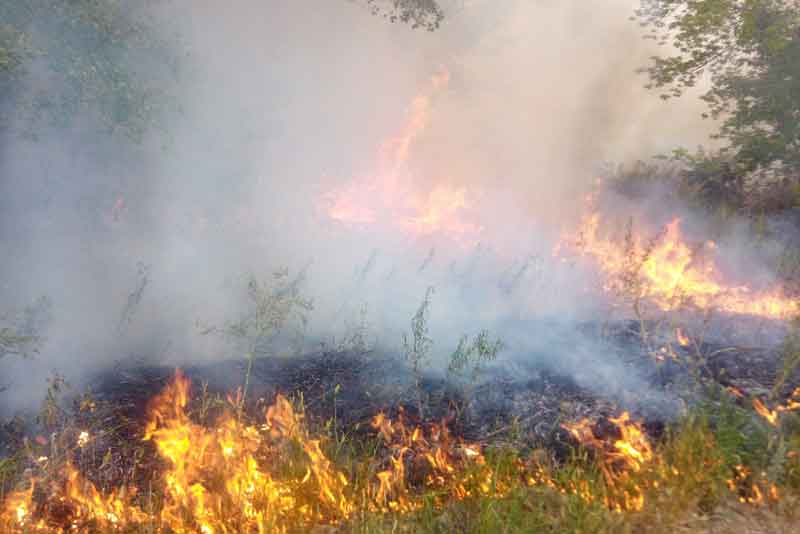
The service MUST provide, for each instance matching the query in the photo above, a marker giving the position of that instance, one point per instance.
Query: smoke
(283, 102)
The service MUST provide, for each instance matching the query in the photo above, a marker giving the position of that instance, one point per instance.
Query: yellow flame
(236, 477)
(628, 454)
(770, 415)
(669, 273)
(683, 341)
(791, 404)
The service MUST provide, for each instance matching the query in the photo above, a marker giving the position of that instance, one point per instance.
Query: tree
(750, 49)
(19, 336)
(65, 62)
(425, 14)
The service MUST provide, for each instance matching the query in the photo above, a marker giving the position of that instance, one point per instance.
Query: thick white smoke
(282, 102)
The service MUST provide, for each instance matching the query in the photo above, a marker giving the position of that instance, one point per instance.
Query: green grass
(688, 481)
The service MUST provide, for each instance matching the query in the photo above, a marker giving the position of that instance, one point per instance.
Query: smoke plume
(282, 104)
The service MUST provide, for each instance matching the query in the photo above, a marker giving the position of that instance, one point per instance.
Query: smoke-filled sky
(282, 103)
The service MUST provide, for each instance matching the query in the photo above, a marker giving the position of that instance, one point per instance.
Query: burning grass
(194, 462)
(669, 272)
(281, 470)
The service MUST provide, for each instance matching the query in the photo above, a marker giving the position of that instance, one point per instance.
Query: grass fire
(276, 472)
(378, 266)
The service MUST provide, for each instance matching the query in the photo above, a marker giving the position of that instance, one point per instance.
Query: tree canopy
(100, 62)
(426, 14)
(749, 50)
(83, 59)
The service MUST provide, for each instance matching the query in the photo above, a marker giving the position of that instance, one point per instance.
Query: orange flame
(234, 477)
(273, 477)
(736, 392)
(629, 453)
(441, 461)
(791, 404)
(215, 481)
(770, 415)
(669, 273)
(683, 341)
(391, 195)
(751, 489)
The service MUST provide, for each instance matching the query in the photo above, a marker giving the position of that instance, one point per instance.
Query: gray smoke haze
(282, 102)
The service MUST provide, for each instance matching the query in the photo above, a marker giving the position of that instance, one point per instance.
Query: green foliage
(13, 49)
(471, 356)
(356, 335)
(64, 62)
(792, 455)
(51, 415)
(715, 181)
(13, 343)
(18, 334)
(739, 436)
(272, 307)
(426, 14)
(9, 471)
(790, 351)
(639, 178)
(417, 350)
(751, 49)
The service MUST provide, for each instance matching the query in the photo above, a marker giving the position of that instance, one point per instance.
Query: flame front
(274, 477)
(216, 479)
(668, 272)
(235, 477)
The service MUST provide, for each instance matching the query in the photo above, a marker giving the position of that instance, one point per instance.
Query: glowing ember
(392, 196)
(752, 489)
(83, 439)
(683, 341)
(669, 273)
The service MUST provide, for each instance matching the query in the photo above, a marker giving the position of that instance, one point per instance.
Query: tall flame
(216, 479)
(391, 195)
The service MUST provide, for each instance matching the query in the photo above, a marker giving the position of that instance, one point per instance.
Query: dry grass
(685, 488)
